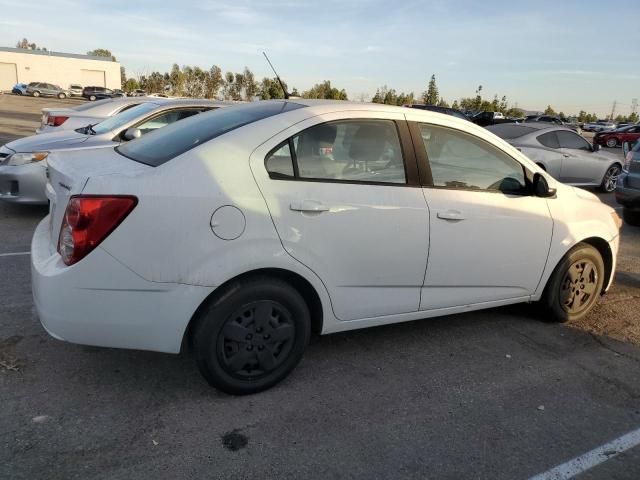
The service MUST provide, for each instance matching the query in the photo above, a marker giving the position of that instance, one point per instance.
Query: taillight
(56, 120)
(88, 220)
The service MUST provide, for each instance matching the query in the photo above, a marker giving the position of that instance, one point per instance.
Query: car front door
(346, 202)
(489, 237)
(579, 165)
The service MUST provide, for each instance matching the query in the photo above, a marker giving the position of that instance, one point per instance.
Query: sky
(570, 54)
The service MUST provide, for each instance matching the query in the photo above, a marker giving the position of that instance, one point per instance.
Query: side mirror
(132, 133)
(595, 147)
(541, 187)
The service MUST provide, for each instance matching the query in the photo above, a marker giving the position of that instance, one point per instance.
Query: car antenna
(286, 94)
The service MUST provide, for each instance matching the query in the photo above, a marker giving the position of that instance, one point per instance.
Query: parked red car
(614, 138)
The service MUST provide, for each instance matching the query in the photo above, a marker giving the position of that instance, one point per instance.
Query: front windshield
(117, 121)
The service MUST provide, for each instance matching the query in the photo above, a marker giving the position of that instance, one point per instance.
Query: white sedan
(244, 230)
(58, 119)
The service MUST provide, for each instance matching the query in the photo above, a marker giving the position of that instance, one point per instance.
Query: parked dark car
(19, 89)
(484, 119)
(41, 89)
(97, 93)
(615, 138)
(628, 184)
(552, 119)
(434, 108)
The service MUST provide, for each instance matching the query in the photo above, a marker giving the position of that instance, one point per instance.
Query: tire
(612, 142)
(610, 178)
(559, 300)
(62, 96)
(36, 94)
(92, 98)
(238, 324)
(632, 217)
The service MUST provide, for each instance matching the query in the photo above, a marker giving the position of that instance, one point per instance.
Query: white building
(18, 65)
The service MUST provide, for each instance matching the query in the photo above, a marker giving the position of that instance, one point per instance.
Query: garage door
(8, 76)
(93, 78)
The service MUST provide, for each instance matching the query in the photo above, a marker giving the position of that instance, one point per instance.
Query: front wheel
(610, 178)
(632, 217)
(92, 98)
(612, 142)
(62, 96)
(575, 285)
(252, 335)
(36, 94)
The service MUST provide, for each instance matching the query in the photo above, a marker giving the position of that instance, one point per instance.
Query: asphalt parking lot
(495, 394)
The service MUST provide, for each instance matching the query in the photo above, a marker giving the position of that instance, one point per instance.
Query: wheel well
(298, 282)
(541, 166)
(607, 257)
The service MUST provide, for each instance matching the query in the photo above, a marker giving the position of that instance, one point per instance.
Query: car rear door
(489, 238)
(345, 199)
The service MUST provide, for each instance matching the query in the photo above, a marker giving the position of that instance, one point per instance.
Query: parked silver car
(58, 119)
(563, 153)
(23, 162)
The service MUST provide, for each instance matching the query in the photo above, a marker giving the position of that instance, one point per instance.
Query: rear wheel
(252, 335)
(61, 96)
(612, 142)
(575, 285)
(610, 178)
(632, 217)
(92, 98)
(36, 94)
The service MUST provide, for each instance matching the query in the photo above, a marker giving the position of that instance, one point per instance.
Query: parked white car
(244, 230)
(23, 162)
(59, 119)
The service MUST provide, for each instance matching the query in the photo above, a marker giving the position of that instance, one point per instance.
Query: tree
(24, 43)
(431, 96)
(213, 82)
(123, 76)
(455, 105)
(633, 118)
(443, 103)
(102, 52)
(250, 84)
(176, 80)
(326, 91)
(270, 88)
(550, 111)
(130, 85)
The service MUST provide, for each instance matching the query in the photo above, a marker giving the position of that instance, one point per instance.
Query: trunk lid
(68, 173)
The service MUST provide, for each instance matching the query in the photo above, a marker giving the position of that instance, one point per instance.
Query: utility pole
(613, 110)
(634, 105)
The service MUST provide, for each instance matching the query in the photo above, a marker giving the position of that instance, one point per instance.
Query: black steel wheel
(251, 335)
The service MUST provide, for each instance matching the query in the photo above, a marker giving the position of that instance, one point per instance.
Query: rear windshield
(510, 130)
(88, 105)
(160, 146)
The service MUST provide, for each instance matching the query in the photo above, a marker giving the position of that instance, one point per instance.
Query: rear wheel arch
(296, 281)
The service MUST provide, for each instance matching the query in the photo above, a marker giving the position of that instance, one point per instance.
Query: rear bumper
(101, 302)
(24, 183)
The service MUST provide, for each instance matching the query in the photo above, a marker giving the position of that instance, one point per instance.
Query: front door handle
(566, 155)
(308, 206)
(451, 215)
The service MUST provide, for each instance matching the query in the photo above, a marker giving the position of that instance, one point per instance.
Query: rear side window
(161, 146)
(572, 141)
(354, 151)
(549, 139)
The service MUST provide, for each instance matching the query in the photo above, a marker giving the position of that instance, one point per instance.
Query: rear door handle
(308, 206)
(451, 215)
(566, 155)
